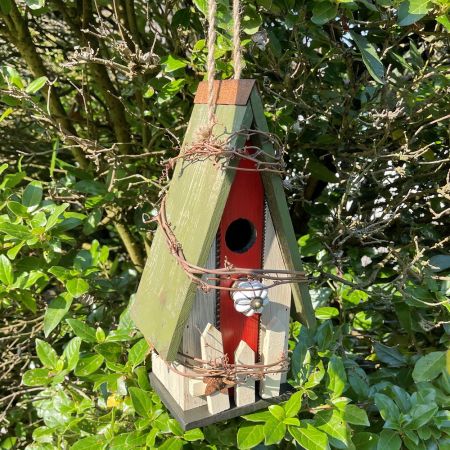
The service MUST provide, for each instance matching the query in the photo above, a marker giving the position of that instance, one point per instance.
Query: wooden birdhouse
(214, 300)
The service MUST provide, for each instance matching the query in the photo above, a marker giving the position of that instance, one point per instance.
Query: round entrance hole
(240, 235)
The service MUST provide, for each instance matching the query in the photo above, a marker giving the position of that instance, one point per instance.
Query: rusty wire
(203, 277)
(223, 153)
(220, 374)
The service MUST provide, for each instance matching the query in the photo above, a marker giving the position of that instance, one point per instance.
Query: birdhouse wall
(195, 202)
(241, 242)
(203, 312)
(274, 322)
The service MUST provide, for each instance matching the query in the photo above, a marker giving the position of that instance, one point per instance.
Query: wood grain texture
(279, 210)
(197, 388)
(226, 92)
(176, 384)
(244, 391)
(279, 296)
(212, 350)
(195, 202)
(203, 312)
(274, 338)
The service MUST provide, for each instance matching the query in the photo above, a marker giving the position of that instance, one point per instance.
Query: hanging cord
(237, 53)
(211, 68)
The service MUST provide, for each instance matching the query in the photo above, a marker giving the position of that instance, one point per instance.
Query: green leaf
(323, 12)
(422, 414)
(100, 335)
(71, 353)
(261, 416)
(16, 231)
(6, 271)
(83, 331)
(36, 85)
(429, 367)
(137, 353)
(88, 364)
(89, 443)
(56, 311)
(35, 4)
(309, 437)
(142, 401)
(444, 20)
(149, 92)
(175, 427)
(46, 354)
(365, 441)
(388, 409)
(410, 11)
(36, 377)
(128, 441)
(354, 415)
(172, 63)
(331, 423)
(250, 436)
(292, 421)
(439, 263)
(77, 287)
(321, 171)
(202, 6)
(370, 57)
(326, 312)
(293, 405)
(170, 89)
(32, 195)
(274, 431)
(54, 217)
(336, 376)
(110, 350)
(17, 209)
(277, 411)
(172, 443)
(151, 437)
(7, 112)
(389, 355)
(194, 435)
(389, 440)
(5, 8)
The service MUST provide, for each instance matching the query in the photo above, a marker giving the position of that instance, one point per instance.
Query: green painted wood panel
(279, 210)
(195, 203)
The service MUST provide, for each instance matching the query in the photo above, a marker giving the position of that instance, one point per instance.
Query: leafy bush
(356, 91)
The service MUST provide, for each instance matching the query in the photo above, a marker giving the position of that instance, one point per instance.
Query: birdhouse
(214, 300)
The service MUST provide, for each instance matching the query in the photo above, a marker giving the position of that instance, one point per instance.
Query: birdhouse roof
(194, 206)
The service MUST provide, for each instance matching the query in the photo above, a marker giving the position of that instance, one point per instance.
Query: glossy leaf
(46, 354)
(142, 401)
(410, 11)
(389, 440)
(88, 364)
(370, 57)
(337, 377)
(83, 331)
(249, 436)
(56, 311)
(6, 271)
(429, 367)
(309, 437)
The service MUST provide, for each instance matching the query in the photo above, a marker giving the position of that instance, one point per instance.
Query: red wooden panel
(246, 201)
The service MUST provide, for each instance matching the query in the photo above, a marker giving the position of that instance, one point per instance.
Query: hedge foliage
(96, 94)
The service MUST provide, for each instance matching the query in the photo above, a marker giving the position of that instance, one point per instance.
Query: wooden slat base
(200, 417)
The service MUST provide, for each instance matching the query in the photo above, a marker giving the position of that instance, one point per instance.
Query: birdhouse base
(200, 417)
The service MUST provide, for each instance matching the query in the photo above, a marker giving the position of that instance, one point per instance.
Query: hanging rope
(237, 53)
(212, 11)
